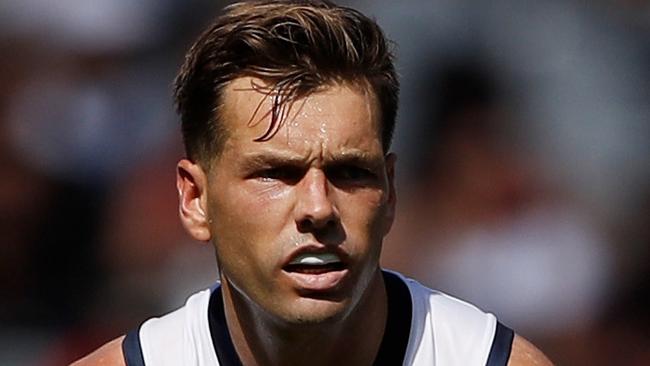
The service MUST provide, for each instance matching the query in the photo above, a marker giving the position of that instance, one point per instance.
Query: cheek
(366, 216)
(247, 224)
(251, 206)
(267, 193)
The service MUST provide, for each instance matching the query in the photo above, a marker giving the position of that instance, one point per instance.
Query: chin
(315, 311)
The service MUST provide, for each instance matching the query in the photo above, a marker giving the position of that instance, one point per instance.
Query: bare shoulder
(109, 354)
(525, 353)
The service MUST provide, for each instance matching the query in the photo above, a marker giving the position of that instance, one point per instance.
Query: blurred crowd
(523, 145)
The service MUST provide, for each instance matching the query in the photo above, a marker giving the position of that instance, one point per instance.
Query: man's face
(298, 220)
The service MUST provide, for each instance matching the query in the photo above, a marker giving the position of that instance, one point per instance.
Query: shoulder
(452, 311)
(525, 353)
(158, 332)
(445, 329)
(465, 326)
(109, 354)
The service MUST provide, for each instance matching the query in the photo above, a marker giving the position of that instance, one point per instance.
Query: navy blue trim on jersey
(393, 345)
(501, 346)
(221, 340)
(398, 323)
(131, 348)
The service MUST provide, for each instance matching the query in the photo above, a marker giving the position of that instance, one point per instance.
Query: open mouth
(313, 272)
(315, 263)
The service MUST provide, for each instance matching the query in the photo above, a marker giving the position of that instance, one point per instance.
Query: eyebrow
(275, 158)
(254, 161)
(360, 158)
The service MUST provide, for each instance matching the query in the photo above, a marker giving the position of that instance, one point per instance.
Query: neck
(353, 340)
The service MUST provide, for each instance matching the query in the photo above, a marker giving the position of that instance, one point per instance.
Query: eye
(287, 174)
(350, 174)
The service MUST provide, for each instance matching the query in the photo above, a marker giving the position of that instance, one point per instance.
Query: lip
(317, 282)
(322, 282)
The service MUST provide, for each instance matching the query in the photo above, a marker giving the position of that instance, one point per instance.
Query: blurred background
(523, 177)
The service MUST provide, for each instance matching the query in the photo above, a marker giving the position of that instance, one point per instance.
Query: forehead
(336, 115)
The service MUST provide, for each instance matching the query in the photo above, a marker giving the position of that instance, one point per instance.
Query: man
(288, 109)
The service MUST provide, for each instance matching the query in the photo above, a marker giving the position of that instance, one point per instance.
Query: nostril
(330, 224)
(304, 226)
(313, 225)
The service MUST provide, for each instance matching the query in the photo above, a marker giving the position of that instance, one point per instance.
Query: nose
(315, 209)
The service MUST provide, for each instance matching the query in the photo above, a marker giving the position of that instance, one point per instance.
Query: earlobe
(191, 182)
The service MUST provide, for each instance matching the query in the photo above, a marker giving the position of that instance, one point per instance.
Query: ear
(191, 182)
(390, 161)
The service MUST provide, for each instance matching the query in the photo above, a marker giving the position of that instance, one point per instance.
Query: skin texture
(108, 354)
(323, 183)
(525, 353)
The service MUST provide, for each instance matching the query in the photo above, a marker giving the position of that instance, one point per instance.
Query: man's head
(296, 47)
(288, 109)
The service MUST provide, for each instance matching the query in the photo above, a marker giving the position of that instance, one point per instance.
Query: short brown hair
(295, 45)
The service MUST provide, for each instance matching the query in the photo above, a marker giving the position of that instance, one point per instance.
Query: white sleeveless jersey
(424, 327)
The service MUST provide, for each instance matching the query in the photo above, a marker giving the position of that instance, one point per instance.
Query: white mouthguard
(315, 259)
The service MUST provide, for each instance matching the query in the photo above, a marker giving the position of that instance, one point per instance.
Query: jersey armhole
(132, 349)
(501, 346)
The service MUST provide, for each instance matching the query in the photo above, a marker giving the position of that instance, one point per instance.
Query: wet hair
(295, 47)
